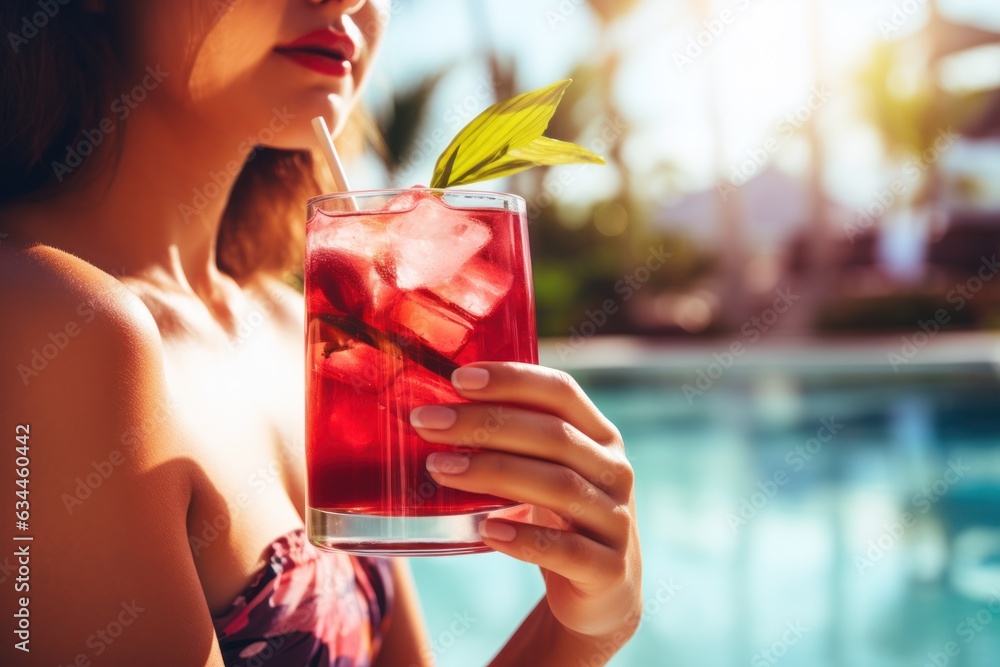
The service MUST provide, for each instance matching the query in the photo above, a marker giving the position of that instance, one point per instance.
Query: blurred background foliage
(895, 95)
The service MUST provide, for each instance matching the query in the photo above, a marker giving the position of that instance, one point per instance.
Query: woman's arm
(108, 576)
(405, 643)
(542, 640)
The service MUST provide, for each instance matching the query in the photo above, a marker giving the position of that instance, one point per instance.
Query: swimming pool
(815, 515)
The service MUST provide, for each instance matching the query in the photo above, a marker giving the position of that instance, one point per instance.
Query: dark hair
(58, 77)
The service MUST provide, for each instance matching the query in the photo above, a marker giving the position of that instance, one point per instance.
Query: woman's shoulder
(45, 287)
(74, 336)
(106, 485)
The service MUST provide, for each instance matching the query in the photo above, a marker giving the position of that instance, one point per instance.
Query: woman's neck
(155, 211)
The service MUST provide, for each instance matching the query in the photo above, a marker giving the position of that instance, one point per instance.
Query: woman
(143, 231)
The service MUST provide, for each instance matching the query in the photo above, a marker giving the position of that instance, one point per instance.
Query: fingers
(549, 485)
(587, 563)
(527, 433)
(537, 387)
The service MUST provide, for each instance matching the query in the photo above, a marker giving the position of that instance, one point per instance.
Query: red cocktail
(402, 288)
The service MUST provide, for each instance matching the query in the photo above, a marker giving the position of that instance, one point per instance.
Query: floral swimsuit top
(308, 607)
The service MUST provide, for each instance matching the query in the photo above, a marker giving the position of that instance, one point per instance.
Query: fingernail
(501, 532)
(433, 416)
(470, 378)
(449, 464)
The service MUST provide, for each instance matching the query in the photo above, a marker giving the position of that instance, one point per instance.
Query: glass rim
(391, 192)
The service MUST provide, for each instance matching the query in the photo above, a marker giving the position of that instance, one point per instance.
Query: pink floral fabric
(308, 608)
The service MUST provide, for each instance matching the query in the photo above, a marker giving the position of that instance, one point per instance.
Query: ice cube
(345, 263)
(347, 281)
(358, 235)
(414, 385)
(347, 360)
(437, 327)
(477, 288)
(345, 417)
(346, 378)
(432, 242)
(406, 201)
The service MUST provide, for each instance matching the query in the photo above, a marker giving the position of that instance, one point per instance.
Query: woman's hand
(533, 436)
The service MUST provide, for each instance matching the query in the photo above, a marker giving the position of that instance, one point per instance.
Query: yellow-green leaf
(507, 138)
(543, 151)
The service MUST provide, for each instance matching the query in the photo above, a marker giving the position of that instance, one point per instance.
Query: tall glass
(403, 287)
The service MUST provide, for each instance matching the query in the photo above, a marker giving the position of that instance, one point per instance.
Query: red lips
(326, 51)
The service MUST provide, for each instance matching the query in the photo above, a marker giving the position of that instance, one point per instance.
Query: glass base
(370, 535)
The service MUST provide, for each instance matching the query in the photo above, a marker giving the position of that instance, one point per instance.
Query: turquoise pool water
(785, 519)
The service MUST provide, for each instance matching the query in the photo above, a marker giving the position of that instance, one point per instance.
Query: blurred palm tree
(902, 97)
(401, 127)
(906, 109)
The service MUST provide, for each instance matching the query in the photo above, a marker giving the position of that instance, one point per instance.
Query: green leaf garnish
(507, 138)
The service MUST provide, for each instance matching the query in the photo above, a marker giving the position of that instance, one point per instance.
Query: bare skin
(200, 416)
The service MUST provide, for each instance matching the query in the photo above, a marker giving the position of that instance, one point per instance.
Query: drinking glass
(403, 287)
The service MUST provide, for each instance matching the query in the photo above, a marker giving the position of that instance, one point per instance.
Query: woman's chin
(333, 107)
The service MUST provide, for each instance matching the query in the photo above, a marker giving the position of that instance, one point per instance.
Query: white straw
(332, 159)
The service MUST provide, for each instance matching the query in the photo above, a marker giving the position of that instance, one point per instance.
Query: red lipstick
(325, 51)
